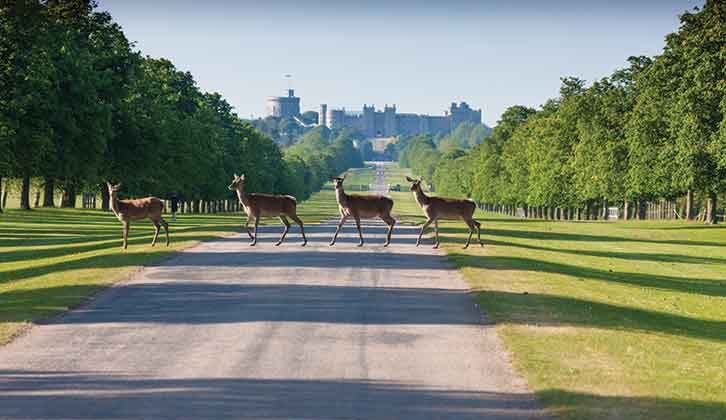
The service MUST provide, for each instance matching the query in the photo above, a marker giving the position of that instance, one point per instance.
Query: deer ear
(342, 178)
(118, 185)
(420, 179)
(409, 179)
(235, 175)
(242, 177)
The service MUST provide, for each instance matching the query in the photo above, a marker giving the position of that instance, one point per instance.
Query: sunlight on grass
(607, 320)
(52, 259)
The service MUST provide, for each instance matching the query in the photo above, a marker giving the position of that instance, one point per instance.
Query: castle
(376, 123)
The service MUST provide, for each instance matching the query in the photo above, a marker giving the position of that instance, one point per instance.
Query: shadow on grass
(679, 284)
(557, 311)
(27, 394)
(90, 243)
(588, 406)
(559, 236)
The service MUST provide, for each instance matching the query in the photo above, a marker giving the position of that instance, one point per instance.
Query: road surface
(226, 331)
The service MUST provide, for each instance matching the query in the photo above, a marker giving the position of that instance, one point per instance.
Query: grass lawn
(623, 320)
(607, 320)
(51, 259)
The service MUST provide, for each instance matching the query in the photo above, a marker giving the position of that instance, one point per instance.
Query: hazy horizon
(416, 55)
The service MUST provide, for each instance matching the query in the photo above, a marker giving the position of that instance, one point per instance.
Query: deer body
(258, 205)
(137, 209)
(436, 208)
(362, 206)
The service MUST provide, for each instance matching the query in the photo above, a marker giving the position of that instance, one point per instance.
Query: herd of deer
(258, 205)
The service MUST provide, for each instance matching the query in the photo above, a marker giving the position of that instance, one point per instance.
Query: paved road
(226, 331)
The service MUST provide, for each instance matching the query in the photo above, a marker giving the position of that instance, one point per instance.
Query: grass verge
(52, 259)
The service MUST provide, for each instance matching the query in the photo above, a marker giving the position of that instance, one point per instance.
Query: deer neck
(115, 206)
(341, 197)
(242, 197)
(421, 198)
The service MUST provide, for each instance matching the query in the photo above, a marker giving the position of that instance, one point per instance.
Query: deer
(258, 205)
(138, 209)
(366, 206)
(436, 208)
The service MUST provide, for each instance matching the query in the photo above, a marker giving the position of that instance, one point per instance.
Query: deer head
(238, 183)
(113, 189)
(338, 181)
(415, 183)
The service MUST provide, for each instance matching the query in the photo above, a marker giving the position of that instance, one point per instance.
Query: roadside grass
(52, 259)
(606, 320)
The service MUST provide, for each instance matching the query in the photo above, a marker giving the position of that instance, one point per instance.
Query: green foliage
(465, 136)
(420, 154)
(78, 107)
(652, 130)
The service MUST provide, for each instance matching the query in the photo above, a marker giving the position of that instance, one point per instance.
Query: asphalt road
(227, 331)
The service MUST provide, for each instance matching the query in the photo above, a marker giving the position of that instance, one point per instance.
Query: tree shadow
(71, 395)
(216, 303)
(634, 256)
(559, 236)
(548, 310)
(589, 406)
(679, 284)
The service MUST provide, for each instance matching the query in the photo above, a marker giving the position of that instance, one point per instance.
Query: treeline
(650, 138)
(320, 154)
(78, 106)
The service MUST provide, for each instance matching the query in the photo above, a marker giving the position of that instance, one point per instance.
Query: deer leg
(126, 234)
(257, 223)
(360, 233)
(302, 228)
(423, 228)
(478, 232)
(284, 232)
(157, 228)
(390, 221)
(470, 224)
(247, 227)
(340, 225)
(436, 233)
(166, 230)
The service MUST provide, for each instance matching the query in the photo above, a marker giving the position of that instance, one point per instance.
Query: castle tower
(389, 121)
(369, 120)
(323, 115)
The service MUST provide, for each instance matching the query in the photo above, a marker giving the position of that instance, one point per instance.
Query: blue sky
(419, 55)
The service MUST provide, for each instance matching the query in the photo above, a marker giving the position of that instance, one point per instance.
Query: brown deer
(141, 208)
(365, 206)
(436, 208)
(259, 205)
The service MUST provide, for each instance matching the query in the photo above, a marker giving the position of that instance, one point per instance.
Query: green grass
(52, 259)
(604, 320)
(607, 320)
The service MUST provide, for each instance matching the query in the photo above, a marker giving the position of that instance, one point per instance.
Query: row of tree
(78, 106)
(651, 132)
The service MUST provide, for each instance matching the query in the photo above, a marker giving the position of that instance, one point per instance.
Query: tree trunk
(605, 209)
(68, 199)
(626, 210)
(689, 205)
(48, 191)
(105, 199)
(641, 209)
(711, 208)
(1, 192)
(25, 194)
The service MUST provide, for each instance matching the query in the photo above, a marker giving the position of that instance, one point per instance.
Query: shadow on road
(53, 395)
(213, 303)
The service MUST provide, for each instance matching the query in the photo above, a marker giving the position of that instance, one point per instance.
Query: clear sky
(419, 55)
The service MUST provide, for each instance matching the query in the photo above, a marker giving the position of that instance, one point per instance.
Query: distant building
(388, 122)
(284, 106)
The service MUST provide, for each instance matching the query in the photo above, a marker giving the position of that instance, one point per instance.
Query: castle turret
(323, 115)
(389, 121)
